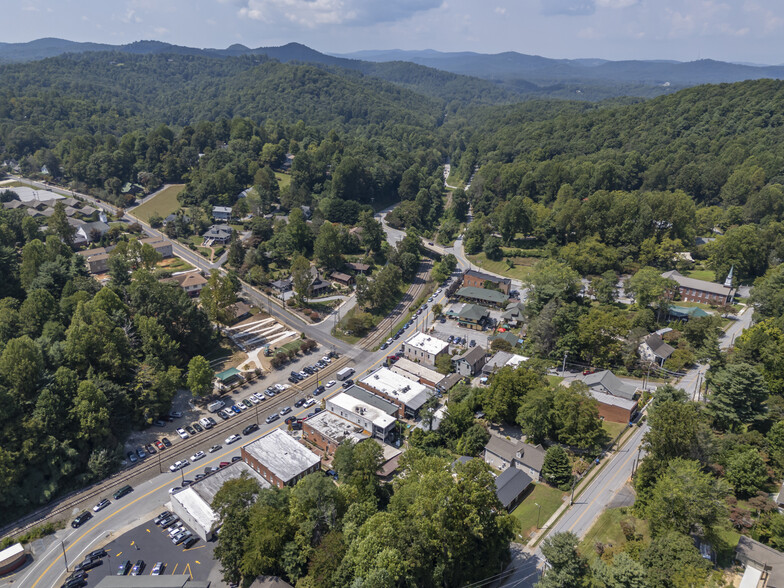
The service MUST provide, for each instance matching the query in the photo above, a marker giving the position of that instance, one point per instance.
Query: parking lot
(451, 327)
(151, 544)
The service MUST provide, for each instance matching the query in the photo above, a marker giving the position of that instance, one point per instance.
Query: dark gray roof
(218, 232)
(483, 294)
(472, 356)
(371, 399)
(751, 551)
(510, 484)
(658, 346)
(526, 454)
(488, 277)
(611, 384)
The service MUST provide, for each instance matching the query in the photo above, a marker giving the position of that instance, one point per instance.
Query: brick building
(327, 431)
(477, 280)
(692, 290)
(280, 459)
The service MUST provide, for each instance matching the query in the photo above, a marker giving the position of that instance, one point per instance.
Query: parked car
(127, 489)
(271, 418)
(223, 415)
(235, 408)
(176, 414)
(253, 399)
(150, 449)
(101, 505)
(198, 455)
(233, 439)
(163, 516)
(190, 542)
(348, 384)
(166, 442)
(159, 445)
(223, 464)
(88, 564)
(197, 427)
(97, 553)
(190, 430)
(138, 568)
(212, 421)
(132, 457)
(81, 519)
(157, 569)
(253, 427)
(290, 420)
(124, 568)
(183, 433)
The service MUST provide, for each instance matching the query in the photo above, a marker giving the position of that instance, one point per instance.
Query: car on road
(138, 568)
(197, 427)
(253, 427)
(285, 410)
(214, 448)
(319, 390)
(331, 383)
(127, 489)
(190, 430)
(271, 418)
(299, 403)
(132, 457)
(101, 505)
(124, 568)
(166, 442)
(178, 465)
(198, 455)
(157, 569)
(81, 519)
(223, 464)
(348, 384)
(291, 419)
(159, 445)
(309, 402)
(183, 433)
(233, 439)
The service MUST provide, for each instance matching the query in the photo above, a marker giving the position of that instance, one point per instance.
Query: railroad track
(85, 498)
(381, 331)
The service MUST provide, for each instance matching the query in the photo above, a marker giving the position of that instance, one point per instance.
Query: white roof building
(371, 412)
(409, 394)
(280, 456)
(427, 343)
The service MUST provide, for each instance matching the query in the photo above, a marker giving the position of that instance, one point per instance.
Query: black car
(190, 430)
(212, 421)
(299, 402)
(293, 380)
(161, 517)
(291, 419)
(250, 429)
(138, 568)
(190, 542)
(124, 568)
(77, 576)
(197, 427)
(88, 564)
(348, 384)
(81, 519)
(166, 442)
(297, 426)
(235, 458)
(186, 483)
(98, 553)
(318, 390)
(75, 582)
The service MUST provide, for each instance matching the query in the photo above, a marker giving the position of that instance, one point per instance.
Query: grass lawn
(554, 380)
(283, 179)
(522, 266)
(725, 545)
(527, 513)
(701, 274)
(613, 429)
(175, 264)
(607, 530)
(197, 241)
(163, 203)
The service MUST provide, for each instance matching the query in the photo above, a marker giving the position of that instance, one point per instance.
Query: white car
(242, 406)
(178, 465)
(309, 402)
(259, 396)
(330, 383)
(183, 433)
(280, 387)
(326, 359)
(198, 455)
(234, 438)
(253, 399)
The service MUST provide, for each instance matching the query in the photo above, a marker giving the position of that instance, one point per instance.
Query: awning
(751, 577)
(228, 374)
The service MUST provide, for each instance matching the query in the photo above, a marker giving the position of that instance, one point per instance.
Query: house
(654, 349)
(507, 336)
(371, 412)
(614, 408)
(390, 460)
(193, 504)
(280, 459)
(174, 216)
(306, 212)
(607, 382)
(317, 287)
(418, 372)
(476, 279)
(482, 296)
(97, 260)
(162, 246)
(448, 382)
(424, 348)
(286, 165)
(239, 311)
(129, 188)
(471, 316)
(406, 393)
(327, 431)
(221, 213)
(88, 232)
(191, 281)
(502, 359)
(356, 232)
(12, 204)
(762, 563)
(502, 453)
(511, 486)
(220, 234)
(514, 313)
(360, 268)
(692, 290)
(282, 285)
(341, 278)
(471, 362)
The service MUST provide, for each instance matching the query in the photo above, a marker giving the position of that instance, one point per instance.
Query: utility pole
(160, 467)
(574, 483)
(563, 368)
(538, 512)
(65, 559)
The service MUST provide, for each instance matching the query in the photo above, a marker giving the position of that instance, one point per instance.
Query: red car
(223, 464)
(159, 445)
(588, 372)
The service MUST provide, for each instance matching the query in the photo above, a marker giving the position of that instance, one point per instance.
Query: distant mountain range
(509, 75)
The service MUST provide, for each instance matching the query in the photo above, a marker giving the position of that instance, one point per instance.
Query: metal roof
(483, 294)
(282, 455)
(510, 484)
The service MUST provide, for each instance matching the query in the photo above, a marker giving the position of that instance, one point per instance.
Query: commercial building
(476, 279)
(424, 348)
(192, 504)
(470, 316)
(327, 431)
(371, 412)
(418, 372)
(145, 581)
(471, 362)
(482, 296)
(503, 453)
(12, 558)
(406, 393)
(692, 290)
(613, 408)
(280, 459)
(607, 382)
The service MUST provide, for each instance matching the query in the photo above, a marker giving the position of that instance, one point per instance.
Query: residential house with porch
(654, 349)
(501, 453)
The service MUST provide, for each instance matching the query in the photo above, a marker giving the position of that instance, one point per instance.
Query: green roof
(228, 374)
(508, 336)
(472, 312)
(493, 296)
(688, 311)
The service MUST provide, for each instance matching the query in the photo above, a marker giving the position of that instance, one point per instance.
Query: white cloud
(161, 30)
(616, 3)
(500, 10)
(315, 13)
(130, 16)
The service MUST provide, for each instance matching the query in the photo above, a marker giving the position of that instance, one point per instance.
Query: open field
(283, 179)
(701, 274)
(163, 203)
(527, 513)
(522, 266)
(613, 429)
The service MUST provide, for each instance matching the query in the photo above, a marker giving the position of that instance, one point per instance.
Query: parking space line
(174, 571)
(188, 567)
(194, 549)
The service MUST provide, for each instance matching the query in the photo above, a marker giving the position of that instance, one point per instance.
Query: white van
(216, 406)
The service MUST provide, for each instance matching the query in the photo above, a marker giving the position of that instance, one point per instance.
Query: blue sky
(731, 30)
